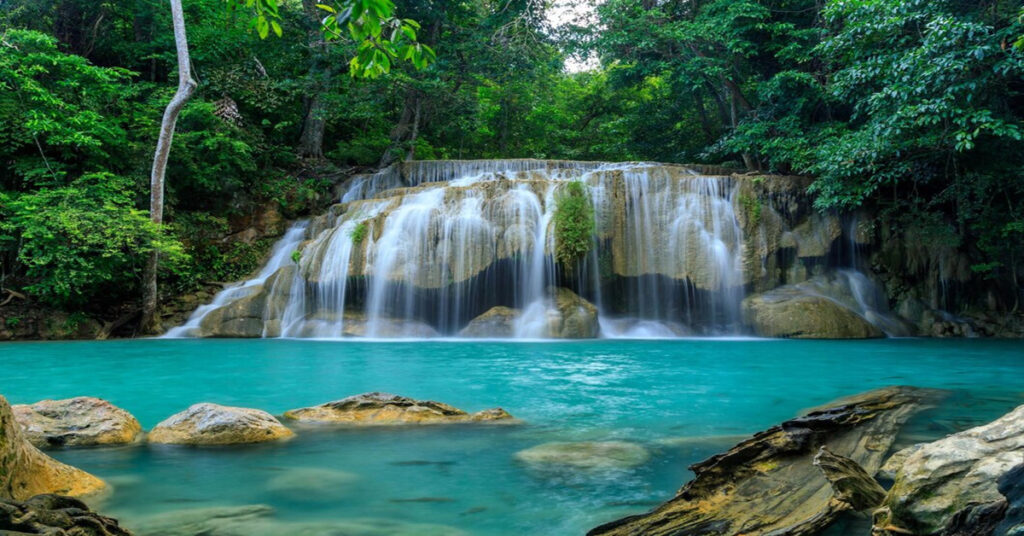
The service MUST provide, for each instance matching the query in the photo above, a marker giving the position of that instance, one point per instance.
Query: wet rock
(371, 409)
(768, 484)
(577, 318)
(1011, 485)
(259, 520)
(26, 472)
(55, 515)
(951, 485)
(790, 313)
(586, 455)
(76, 422)
(498, 322)
(213, 424)
(851, 484)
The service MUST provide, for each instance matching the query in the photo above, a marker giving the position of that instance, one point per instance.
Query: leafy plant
(574, 224)
(358, 233)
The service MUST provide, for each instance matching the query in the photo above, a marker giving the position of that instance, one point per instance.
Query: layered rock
(377, 409)
(768, 483)
(26, 472)
(213, 424)
(586, 455)
(951, 486)
(76, 422)
(55, 515)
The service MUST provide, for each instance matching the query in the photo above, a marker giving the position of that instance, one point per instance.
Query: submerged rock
(497, 322)
(26, 472)
(791, 313)
(371, 409)
(259, 520)
(55, 515)
(213, 424)
(317, 484)
(950, 486)
(586, 455)
(768, 484)
(76, 422)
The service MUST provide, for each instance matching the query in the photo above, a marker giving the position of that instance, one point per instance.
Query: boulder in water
(577, 318)
(497, 322)
(587, 455)
(213, 424)
(951, 486)
(768, 484)
(790, 313)
(76, 422)
(55, 515)
(26, 472)
(375, 409)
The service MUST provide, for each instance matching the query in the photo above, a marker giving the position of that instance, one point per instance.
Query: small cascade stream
(451, 247)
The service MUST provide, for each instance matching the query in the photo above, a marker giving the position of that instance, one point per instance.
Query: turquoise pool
(465, 479)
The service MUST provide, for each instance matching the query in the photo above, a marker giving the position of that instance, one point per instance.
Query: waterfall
(280, 255)
(423, 248)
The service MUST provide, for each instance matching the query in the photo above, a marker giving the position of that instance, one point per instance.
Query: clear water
(464, 479)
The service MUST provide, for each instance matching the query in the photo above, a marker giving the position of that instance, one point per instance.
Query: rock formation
(213, 424)
(55, 515)
(374, 409)
(768, 483)
(951, 486)
(26, 472)
(800, 313)
(76, 422)
(498, 322)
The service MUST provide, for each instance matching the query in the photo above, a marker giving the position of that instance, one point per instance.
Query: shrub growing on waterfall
(574, 224)
(358, 233)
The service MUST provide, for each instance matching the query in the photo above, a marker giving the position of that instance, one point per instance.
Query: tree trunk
(410, 113)
(311, 142)
(186, 85)
(415, 131)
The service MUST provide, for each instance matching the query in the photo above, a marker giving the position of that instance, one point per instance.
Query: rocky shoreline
(795, 478)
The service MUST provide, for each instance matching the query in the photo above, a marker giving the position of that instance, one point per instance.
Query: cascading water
(427, 248)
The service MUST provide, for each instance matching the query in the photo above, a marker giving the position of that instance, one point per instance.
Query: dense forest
(912, 109)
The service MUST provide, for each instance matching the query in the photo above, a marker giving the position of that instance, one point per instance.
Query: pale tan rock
(213, 424)
(377, 409)
(76, 422)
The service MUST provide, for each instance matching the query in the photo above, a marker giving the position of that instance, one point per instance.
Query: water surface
(464, 479)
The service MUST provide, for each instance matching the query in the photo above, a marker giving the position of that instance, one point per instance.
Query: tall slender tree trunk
(186, 85)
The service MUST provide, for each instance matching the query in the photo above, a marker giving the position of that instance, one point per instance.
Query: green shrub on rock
(574, 224)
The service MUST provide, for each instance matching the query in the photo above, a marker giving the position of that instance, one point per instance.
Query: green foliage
(574, 224)
(79, 241)
(358, 233)
(296, 256)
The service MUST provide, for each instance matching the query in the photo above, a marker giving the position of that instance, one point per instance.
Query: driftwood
(768, 483)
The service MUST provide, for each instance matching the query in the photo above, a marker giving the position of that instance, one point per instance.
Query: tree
(186, 85)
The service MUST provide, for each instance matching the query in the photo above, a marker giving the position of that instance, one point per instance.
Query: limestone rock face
(76, 422)
(55, 515)
(376, 409)
(26, 472)
(942, 484)
(498, 322)
(586, 455)
(213, 424)
(768, 484)
(787, 312)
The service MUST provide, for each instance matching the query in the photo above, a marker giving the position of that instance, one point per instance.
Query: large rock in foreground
(213, 424)
(55, 515)
(789, 313)
(26, 472)
(76, 422)
(768, 483)
(371, 409)
(951, 486)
